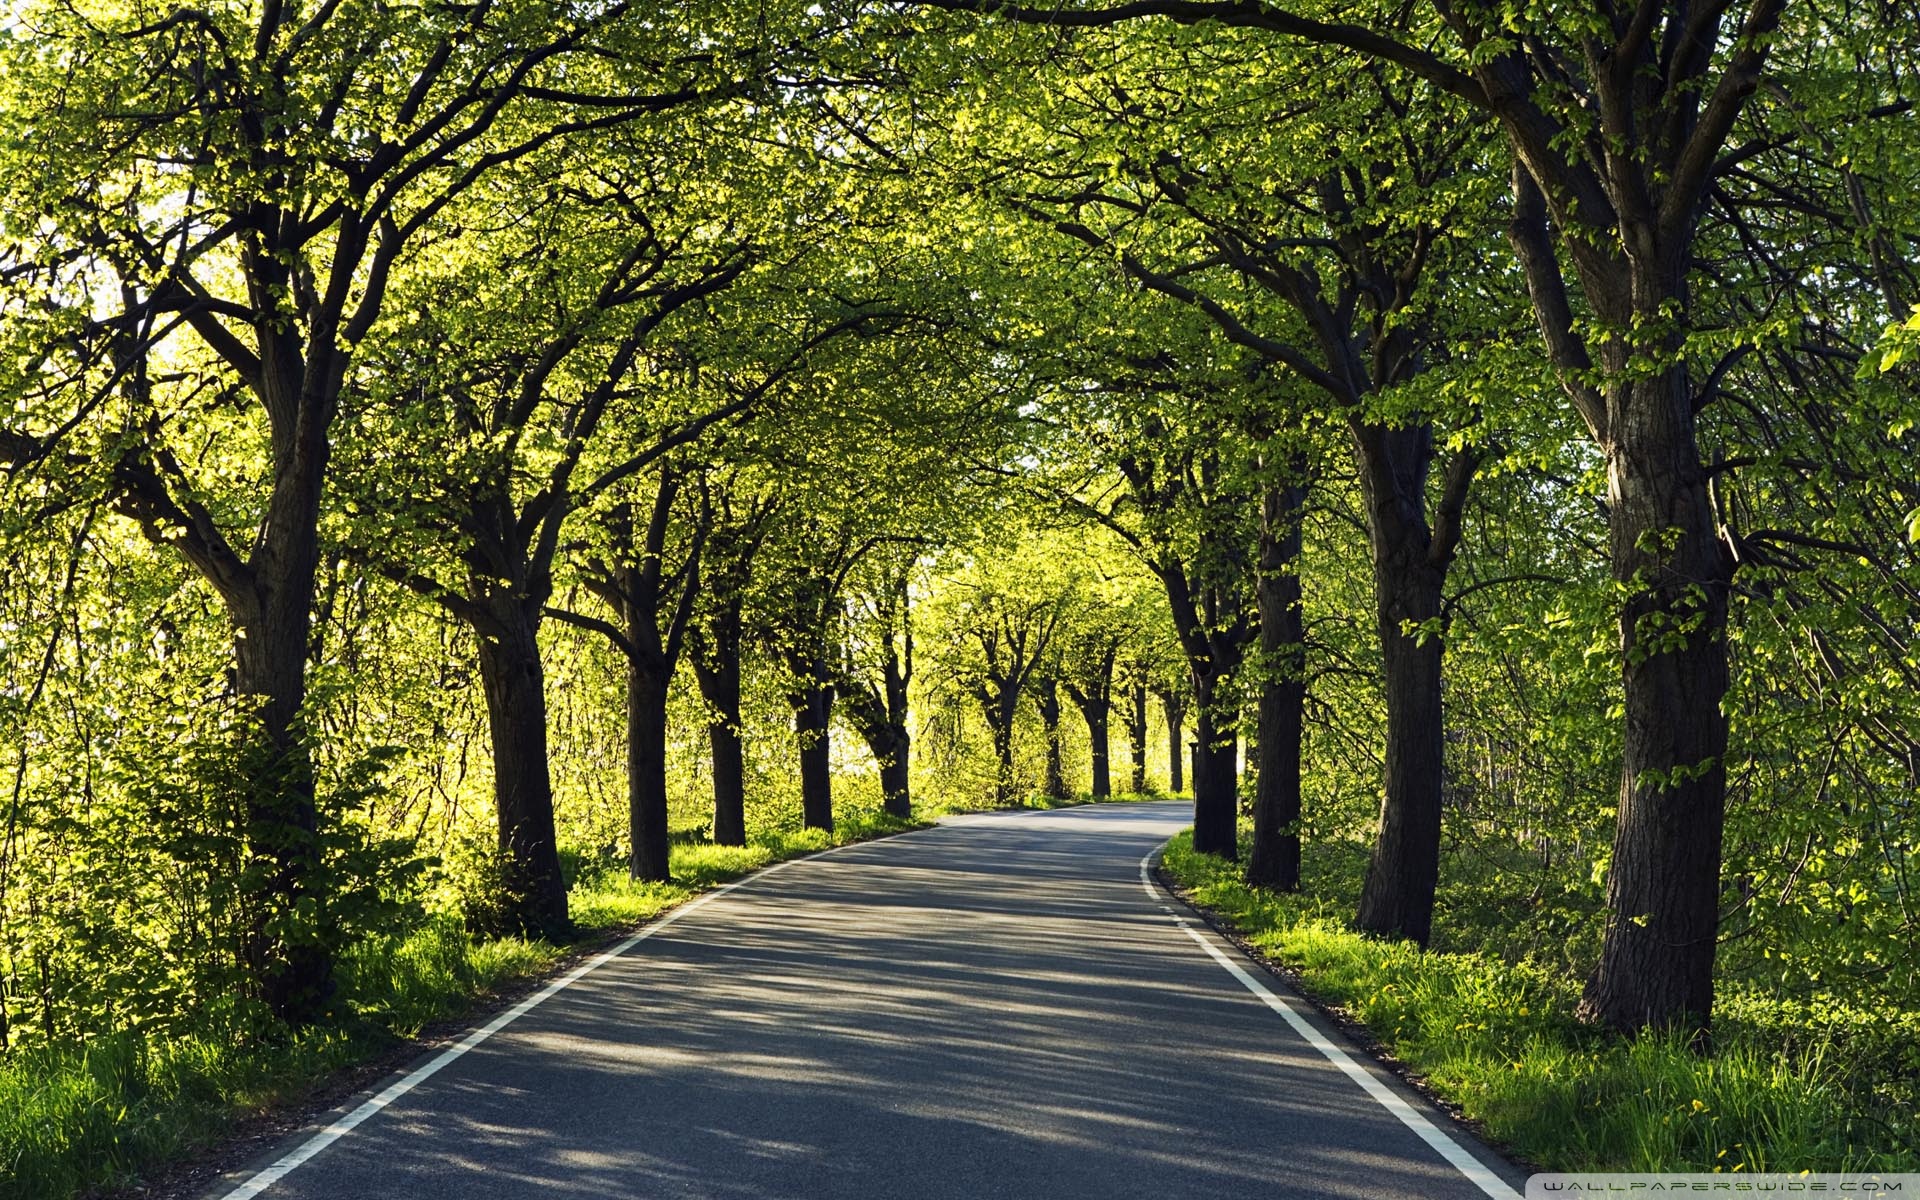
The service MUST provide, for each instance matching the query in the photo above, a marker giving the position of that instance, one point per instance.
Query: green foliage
(950, 331)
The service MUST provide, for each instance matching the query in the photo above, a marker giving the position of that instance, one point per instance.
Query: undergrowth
(1790, 1085)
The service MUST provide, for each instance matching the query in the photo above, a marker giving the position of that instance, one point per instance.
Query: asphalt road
(993, 1008)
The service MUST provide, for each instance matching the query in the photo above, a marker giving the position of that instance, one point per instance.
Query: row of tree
(1687, 222)
(1516, 413)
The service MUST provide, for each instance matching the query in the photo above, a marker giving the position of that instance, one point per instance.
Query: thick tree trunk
(1135, 719)
(888, 739)
(1397, 901)
(1663, 888)
(1098, 715)
(292, 968)
(813, 721)
(535, 899)
(716, 666)
(1000, 712)
(896, 786)
(1095, 702)
(1275, 861)
(1046, 696)
(647, 771)
(896, 770)
(729, 782)
(1216, 780)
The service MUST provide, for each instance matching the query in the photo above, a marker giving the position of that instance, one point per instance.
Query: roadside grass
(1788, 1087)
(92, 1117)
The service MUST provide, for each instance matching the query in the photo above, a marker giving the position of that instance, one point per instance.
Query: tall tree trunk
(1135, 720)
(1000, 712)
(1046, 697)
(511, 674)
(292, 968)
(1275, 861)
(891, 744)
(729, 782)
(880, 713)
(1095, 702)
(1397, 900)
(1663, 888)
(813, 721)
(1216, 778)
(896, 773)
(647, 770)
(896, 784)
(1098, 715)
(716, 666)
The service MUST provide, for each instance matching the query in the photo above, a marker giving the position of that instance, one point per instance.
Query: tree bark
(896, 785)
(1046, 697)
(269, 597)
(716, 666)
(999, 710)
(1275, 860)
(1097, 717)
(292, 969)
(813, 721)
(514, 681)
(1216, 780)
(1411, 558)
(1095, 702)
(881, 712)
(647, 771)
(1663, 888)
(891, 744)
(896, 773)
(1397, 900)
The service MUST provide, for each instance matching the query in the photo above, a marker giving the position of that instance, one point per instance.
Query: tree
(1000, 633)
(299, 181)
(1354, 321)
(1618, 122)
(1133, 719)
(878, 677)
(655, 608)
(496, 444)
(1089, 684)
(1172, 693)
(1046, 701)
(1275, 860)
(739, 521)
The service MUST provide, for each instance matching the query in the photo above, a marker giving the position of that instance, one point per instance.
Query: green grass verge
(92, 1117)
(1786, 1088)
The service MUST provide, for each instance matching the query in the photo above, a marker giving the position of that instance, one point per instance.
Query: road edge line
(280, 1168)
(1444, 1144)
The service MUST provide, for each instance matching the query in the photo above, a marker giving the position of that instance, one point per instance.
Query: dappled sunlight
(1000, 998)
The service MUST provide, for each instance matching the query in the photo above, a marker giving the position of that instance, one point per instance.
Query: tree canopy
(451, 455)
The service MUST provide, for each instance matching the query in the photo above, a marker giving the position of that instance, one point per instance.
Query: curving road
(994, 1008)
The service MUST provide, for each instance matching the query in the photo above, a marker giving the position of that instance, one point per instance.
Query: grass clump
(1497, 1038)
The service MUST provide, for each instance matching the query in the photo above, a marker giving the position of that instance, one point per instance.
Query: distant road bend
(999, 1007)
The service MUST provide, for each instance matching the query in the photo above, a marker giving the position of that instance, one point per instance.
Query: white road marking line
(273, 1174)
(1449, 1149)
